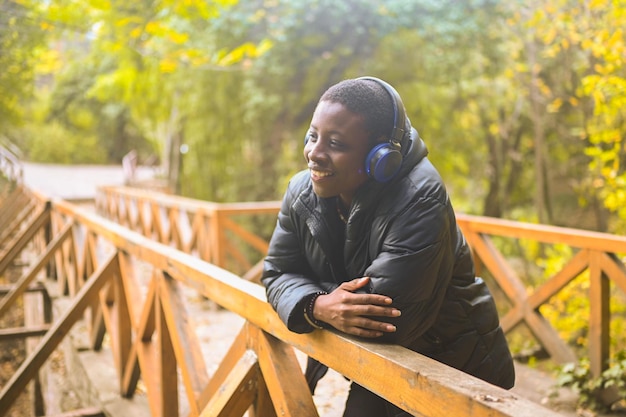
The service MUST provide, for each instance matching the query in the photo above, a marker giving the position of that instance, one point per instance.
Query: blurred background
(521, 103)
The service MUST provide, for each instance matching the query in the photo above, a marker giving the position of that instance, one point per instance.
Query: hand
(352, 313)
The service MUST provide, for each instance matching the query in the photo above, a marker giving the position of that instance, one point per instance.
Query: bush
(51, 143)
(592, 390)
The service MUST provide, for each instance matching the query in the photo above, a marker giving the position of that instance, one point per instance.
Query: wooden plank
(22, 332)
(493, 260)
(146, 219)
(234, 395)
(36, 287)
(174, 236)
(600, 316)
(97, 326)
(549, 338)
(216, 240)
(167, 398)
(253, 240)
(122, 341)
(28, 370)
(132, 289)
(12, 207)
(140, 357)
(283, 376)
(254, 273)
(20, 218)
(196, 230)
(159, 231)
(27, 278)
(614, 269)
(184, 340)
(68, 253)
(227, 364)
(263, 406)
(19, 243)
(602, 242)
(571, 270)
(6, 211)
(132, 372)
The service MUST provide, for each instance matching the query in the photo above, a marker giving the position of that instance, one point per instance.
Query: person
(366, 242)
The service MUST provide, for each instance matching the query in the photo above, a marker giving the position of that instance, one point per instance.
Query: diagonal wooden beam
(574, 267)
(140, 356)
(19, 243)
(15, 224)
(22, 284)
(614, 269)
(495, 262)
(13, 204)
(549, 338)
(164, 402)
(237, 392)
(184, 341)
(56, 334)
(571, 270)
(283, 375)
(227, 364)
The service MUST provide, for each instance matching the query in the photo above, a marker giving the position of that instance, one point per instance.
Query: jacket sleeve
(286, 272)
(414, 265)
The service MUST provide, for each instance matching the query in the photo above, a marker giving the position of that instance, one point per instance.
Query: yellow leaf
(178, 38)
(494, 129)
(555, 105)
(597, 4)
(135, 33)
(168, 65)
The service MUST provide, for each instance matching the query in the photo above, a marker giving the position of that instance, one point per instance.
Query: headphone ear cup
(383, 162)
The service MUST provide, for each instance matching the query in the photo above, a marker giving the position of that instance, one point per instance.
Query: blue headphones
(384, 160)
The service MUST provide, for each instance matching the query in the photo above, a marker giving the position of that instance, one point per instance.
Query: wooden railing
(211, 231)
(594, 253)
(152, 337)
(10, 166)
(205, 228)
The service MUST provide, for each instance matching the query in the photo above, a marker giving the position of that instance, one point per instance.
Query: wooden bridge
(101, 261)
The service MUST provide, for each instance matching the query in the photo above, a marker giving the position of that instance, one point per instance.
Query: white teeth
(320, 173)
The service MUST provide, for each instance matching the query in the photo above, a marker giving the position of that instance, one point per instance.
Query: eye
(311, 137)
(338, 144)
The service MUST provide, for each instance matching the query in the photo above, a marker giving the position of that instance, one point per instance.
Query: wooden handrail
(577, 238)
(213, 222)
(151, 337)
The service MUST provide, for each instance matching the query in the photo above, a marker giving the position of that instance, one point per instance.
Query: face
(335, 151)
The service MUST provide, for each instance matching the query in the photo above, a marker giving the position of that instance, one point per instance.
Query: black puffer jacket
(404, 236)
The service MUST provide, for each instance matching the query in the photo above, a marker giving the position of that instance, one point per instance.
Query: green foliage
(578, 377)
(52, 143)
(520, 104)
(20, 38)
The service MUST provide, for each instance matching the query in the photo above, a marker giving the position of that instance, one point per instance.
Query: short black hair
(370, 100)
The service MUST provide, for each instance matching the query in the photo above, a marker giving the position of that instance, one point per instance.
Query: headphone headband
(399, 113)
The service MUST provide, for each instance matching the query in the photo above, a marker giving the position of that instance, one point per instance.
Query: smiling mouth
(320, 174)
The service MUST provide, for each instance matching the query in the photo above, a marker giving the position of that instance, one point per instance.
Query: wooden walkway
(329, 401)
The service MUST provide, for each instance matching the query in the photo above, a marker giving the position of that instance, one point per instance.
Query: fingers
(368, 328)
(355, 284)
(355, 313)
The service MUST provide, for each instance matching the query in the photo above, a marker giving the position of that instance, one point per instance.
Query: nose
(314, 151)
